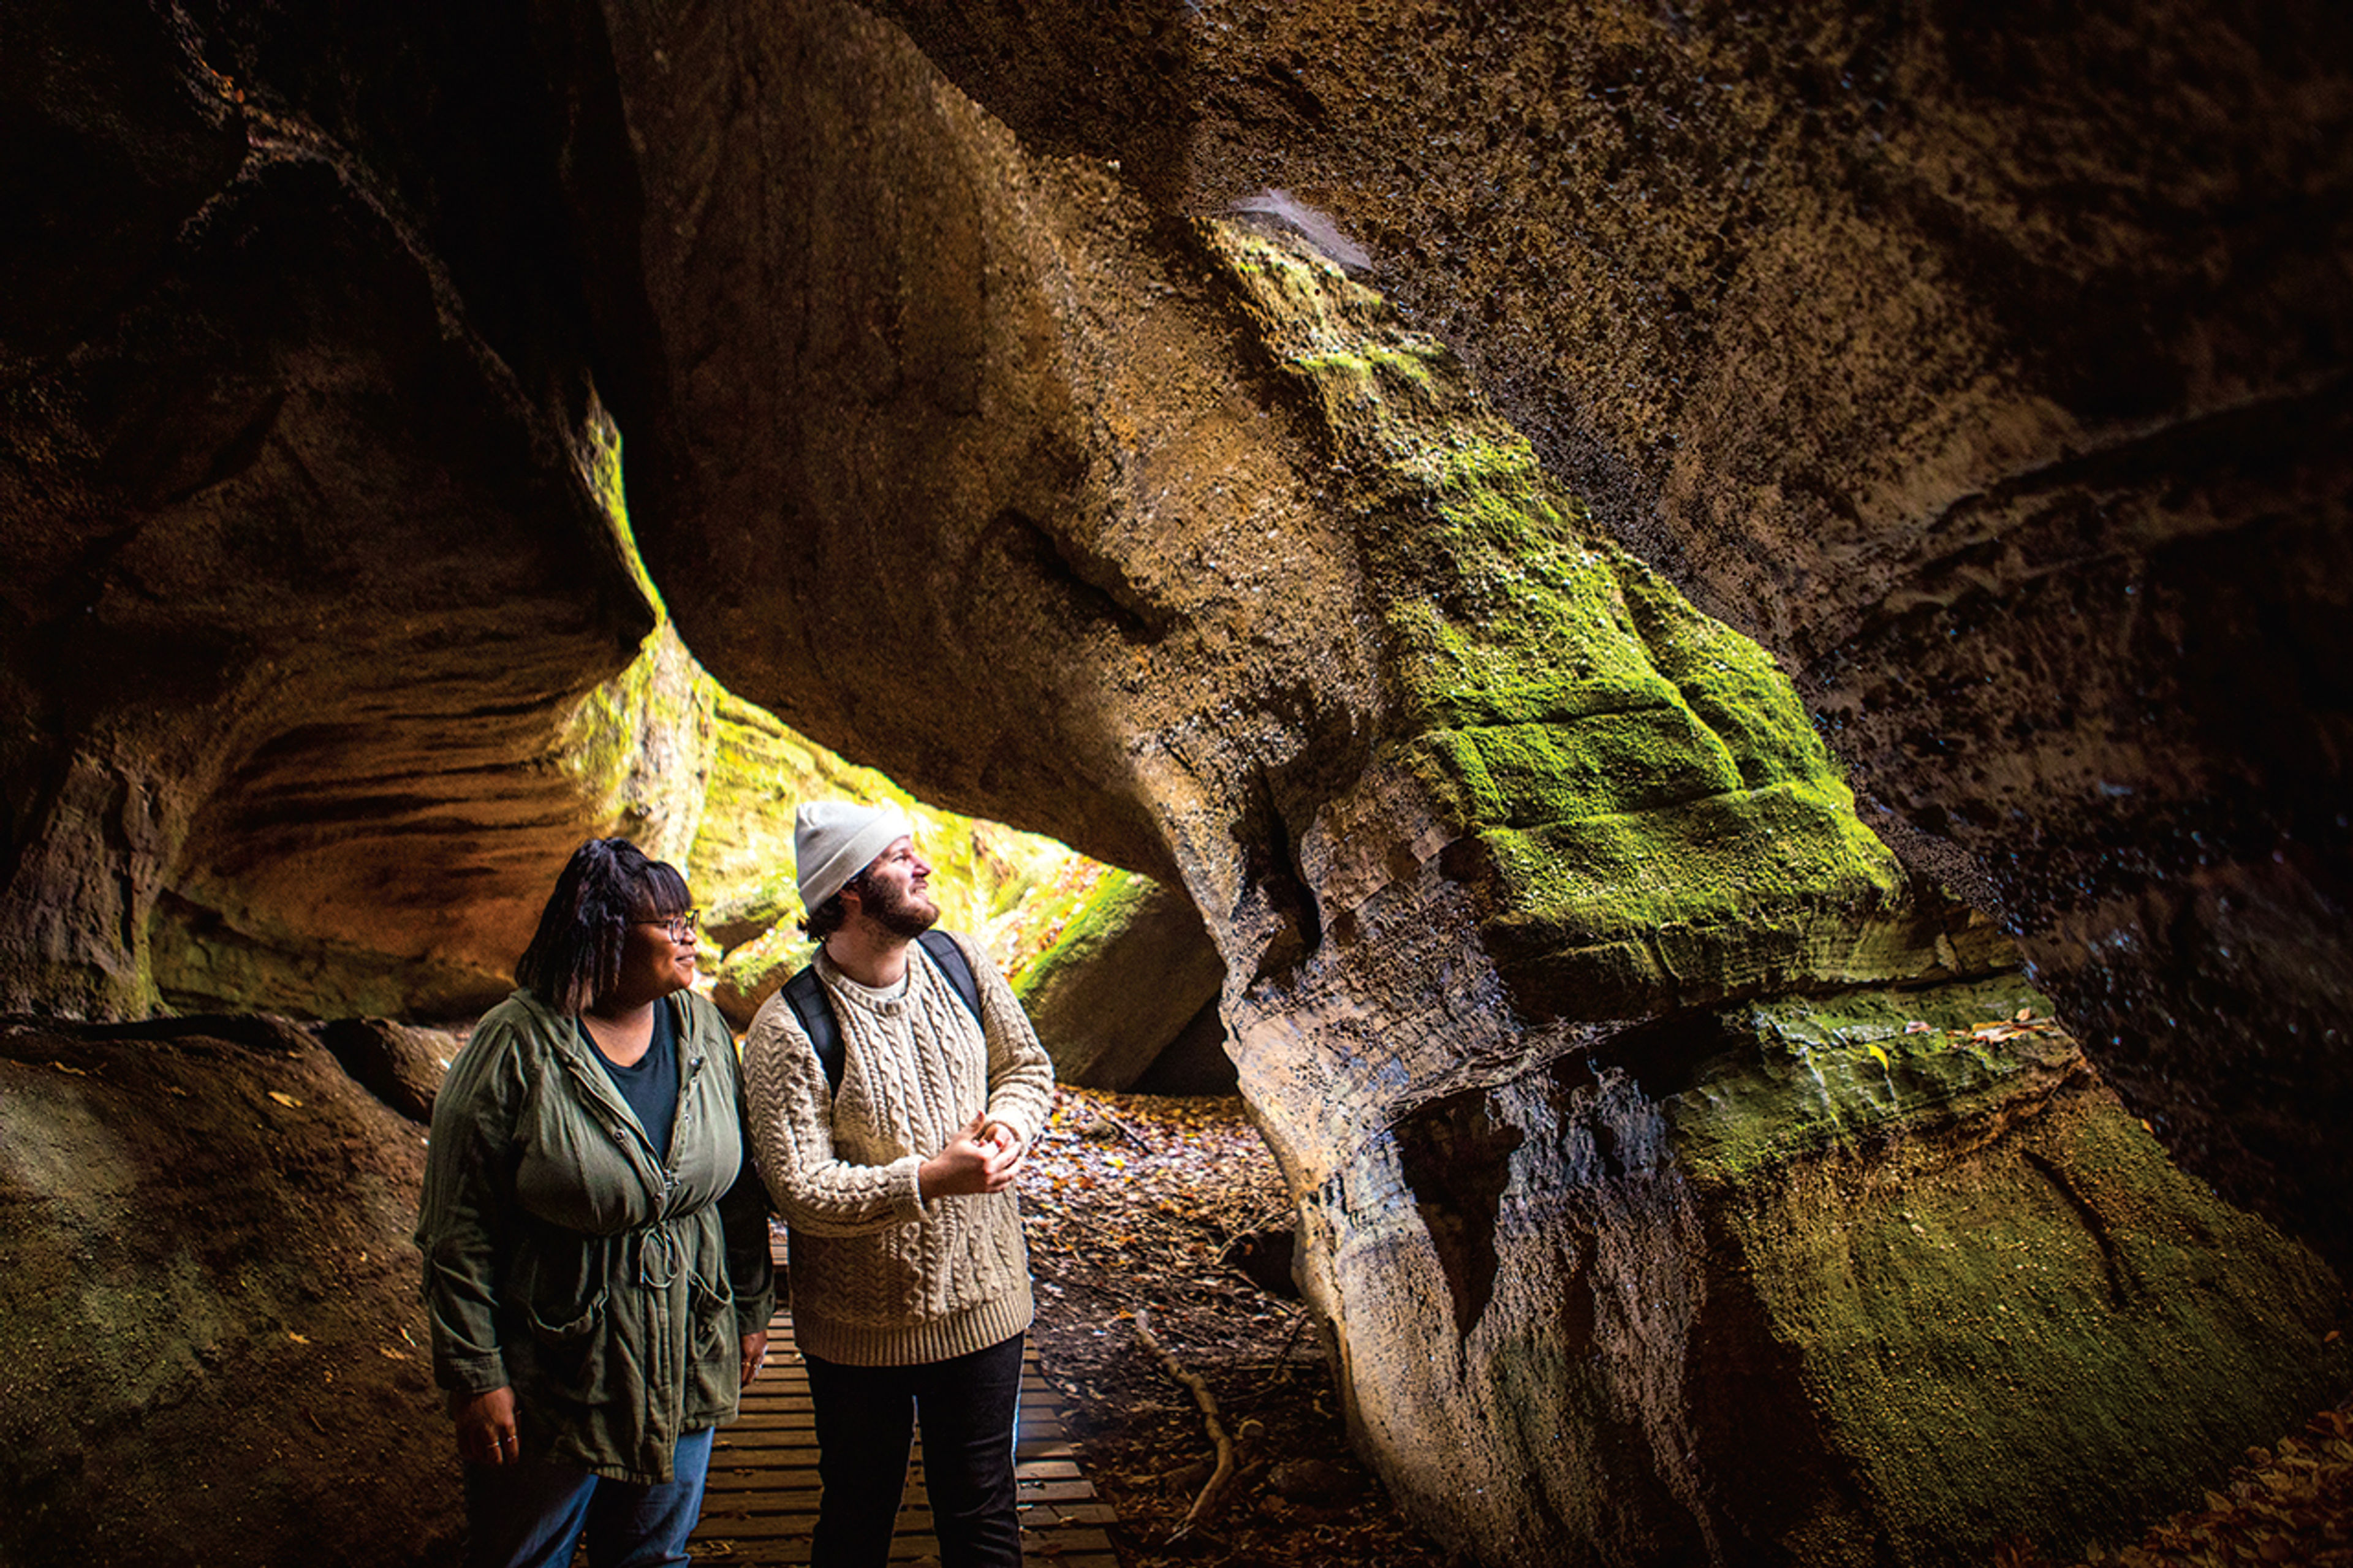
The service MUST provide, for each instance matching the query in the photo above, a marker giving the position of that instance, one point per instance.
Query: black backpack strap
(805, 994)
(950, 958)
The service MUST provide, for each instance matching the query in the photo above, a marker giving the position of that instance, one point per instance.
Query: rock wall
(1986, 364)
(310, 568)
(1232, 571)
(1986, 368)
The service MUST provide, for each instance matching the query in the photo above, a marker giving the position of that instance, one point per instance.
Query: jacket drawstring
(657, 1256)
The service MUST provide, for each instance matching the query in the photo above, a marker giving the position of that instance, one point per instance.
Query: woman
(596, 1237)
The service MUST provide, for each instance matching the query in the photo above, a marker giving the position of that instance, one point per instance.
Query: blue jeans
(865, 1416)
(532, 1515)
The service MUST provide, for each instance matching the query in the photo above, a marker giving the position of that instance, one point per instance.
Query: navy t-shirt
(651, 1086)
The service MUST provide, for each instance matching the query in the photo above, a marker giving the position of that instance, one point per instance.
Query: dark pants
(864, 1420)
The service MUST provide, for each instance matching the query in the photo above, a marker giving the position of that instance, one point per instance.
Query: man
(893, 1163)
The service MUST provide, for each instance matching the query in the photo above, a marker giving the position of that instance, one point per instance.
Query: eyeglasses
(682, 927)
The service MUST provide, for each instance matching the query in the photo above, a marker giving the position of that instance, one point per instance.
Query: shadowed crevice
(1456, 1156)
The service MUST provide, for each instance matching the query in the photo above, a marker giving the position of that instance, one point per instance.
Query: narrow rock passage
(761, 1502)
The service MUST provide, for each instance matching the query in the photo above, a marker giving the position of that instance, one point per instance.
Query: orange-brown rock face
(306, 574)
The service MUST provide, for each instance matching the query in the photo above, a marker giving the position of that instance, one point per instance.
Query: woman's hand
(755, 1356)
(973, 1163)
(486, 1428)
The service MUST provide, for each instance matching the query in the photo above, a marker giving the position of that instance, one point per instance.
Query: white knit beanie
(834, 840)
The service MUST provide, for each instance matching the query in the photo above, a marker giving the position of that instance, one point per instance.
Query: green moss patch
(1526, 776)
(1984, 1324)
(1841, 1071)
(1085, 921)
(1643, 781)
(1724, 859)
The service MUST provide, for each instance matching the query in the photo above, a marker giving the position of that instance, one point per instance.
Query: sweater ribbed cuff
(907, 1204)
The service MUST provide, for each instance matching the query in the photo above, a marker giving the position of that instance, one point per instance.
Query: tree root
(1207, 1500)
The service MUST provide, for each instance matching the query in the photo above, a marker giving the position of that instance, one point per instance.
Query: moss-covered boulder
(1584, 1269)
(1131, 968)
(1888, 1278)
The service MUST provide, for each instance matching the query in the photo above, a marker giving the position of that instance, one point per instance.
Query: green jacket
(562, 1259)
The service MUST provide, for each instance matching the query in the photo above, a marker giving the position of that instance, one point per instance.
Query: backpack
(805, 994)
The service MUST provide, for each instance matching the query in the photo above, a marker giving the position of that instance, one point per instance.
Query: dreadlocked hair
(574, 956)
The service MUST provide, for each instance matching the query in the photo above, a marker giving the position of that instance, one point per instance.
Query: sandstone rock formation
(1987, 367)
(309, 565)
(1267, 599)
(214, 1342)
(1132, 970)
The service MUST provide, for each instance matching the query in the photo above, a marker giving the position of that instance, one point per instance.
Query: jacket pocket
(713, 1356)
(571, 1354)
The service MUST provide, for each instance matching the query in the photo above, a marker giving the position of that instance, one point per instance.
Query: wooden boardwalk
(761, 1501)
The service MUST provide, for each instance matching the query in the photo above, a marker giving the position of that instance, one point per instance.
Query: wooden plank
(762, 1490)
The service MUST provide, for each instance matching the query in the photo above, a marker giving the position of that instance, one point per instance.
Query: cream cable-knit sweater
(878, 1276)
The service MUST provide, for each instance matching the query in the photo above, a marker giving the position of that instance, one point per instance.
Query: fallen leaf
(1884, 1064)
(298, 1339)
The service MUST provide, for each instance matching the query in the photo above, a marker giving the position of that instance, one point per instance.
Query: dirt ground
(1143, 1206)
(1139, 1203)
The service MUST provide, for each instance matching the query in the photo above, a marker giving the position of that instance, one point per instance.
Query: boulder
(1816, 1289)
(1130, 971)
(216, 1352)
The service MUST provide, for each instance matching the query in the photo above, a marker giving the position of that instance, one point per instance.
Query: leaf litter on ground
(1150, 1204)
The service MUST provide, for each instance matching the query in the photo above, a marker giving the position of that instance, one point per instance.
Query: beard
(902, 911)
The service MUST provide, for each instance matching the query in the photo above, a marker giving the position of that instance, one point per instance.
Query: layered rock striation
(1988, 369)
